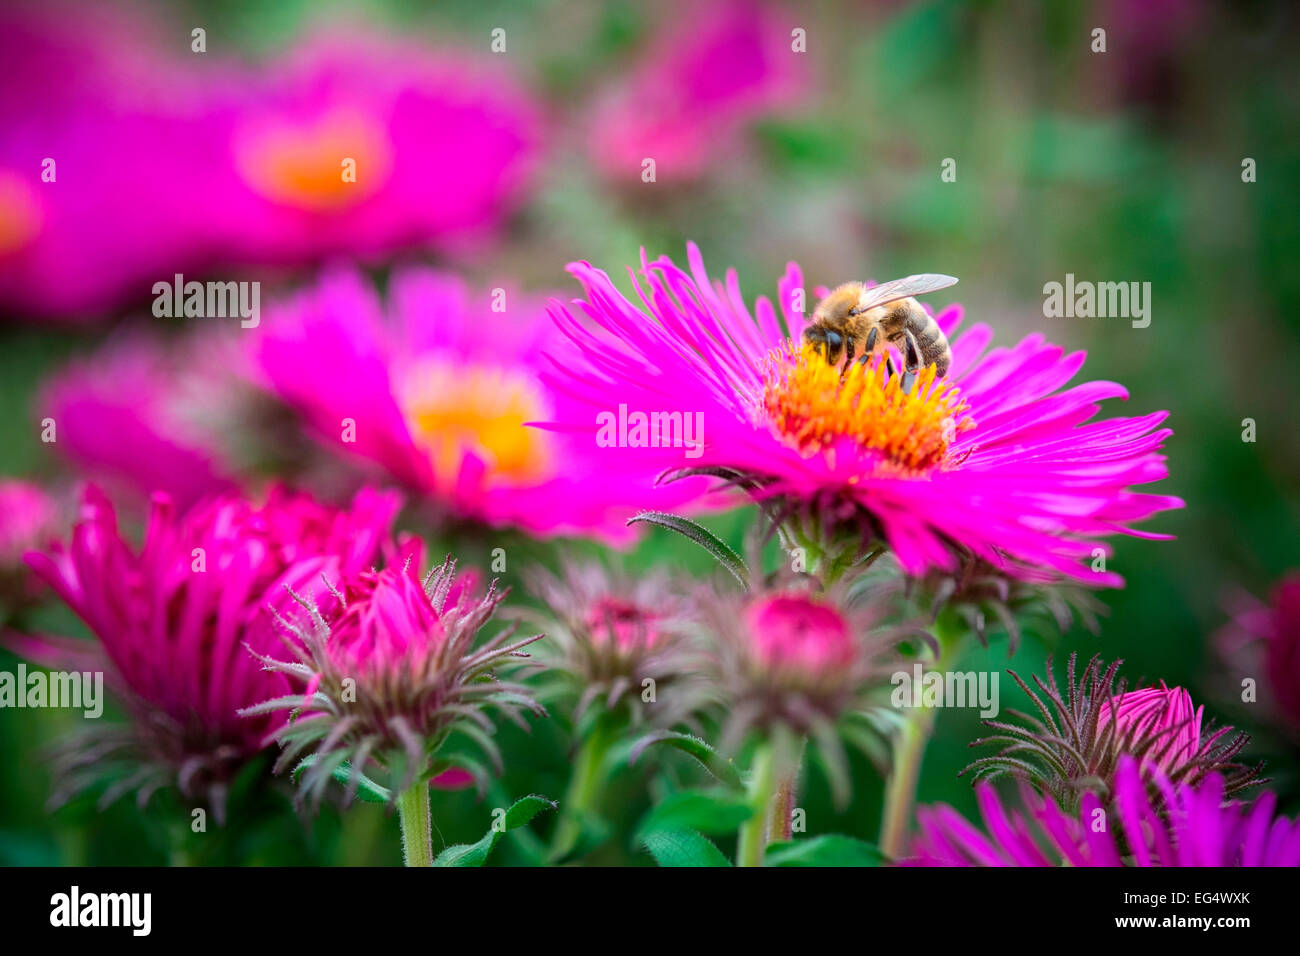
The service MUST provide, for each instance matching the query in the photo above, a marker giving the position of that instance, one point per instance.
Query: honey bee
(853, 314)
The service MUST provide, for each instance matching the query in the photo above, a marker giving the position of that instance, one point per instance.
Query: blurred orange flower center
(332, 162)
(455, 409)
(808, 402)
(20, 213)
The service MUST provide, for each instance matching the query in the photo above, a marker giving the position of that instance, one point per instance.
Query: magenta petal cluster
(173, 618)
(698, 84)
(1029, 479)
(1196, 828)
(435, 391)
(1162, 712)
(1265, 637)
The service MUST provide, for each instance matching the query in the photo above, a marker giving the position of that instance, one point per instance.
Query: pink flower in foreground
(438, 390)
(1073, 743)
(441, 146)
(1189, 826)
(690, 96)
(173, 618)
(390, 669)
(994, 461)
(789, 665)
(1160, 712)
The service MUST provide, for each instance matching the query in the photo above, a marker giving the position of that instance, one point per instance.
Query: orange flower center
(455, 409)
(321, 165)
(20, 212)
(808, 402)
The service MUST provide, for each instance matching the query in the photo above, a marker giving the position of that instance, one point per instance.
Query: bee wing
(902, 288)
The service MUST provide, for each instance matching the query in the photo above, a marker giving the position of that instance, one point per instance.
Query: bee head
(828, 341)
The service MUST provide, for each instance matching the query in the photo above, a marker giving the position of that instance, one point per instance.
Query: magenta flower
(99, 159)
(700, 83)
(610, 633)
(789, 665)
(138, 415)
(1167, 714)
(993, 462)
(385, 669)
(1189, 825)
(29, 519)
(172, 619)
(359, 143)
(1076, 742)
(436, 395)
(1264, 640)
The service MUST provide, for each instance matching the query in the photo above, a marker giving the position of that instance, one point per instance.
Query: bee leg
(849, 349)
(913, 351)
(912, 360)
(868, 347)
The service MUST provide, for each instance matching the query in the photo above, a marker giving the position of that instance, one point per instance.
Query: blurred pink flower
(1265, 638)
(993, 461)
(793, 631)
(1186, 826)
(689, 97)
(29, 519)
(97, 92)
(443, 147)
(167, 162)
(129, 416)
(437, 393)
(173, 620)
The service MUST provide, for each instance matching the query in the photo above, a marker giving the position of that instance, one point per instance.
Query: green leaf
(683, 848)
(707, 811)
(723, 770)
(831, 850)
(702, 536)
(476, 854)
(367, 790)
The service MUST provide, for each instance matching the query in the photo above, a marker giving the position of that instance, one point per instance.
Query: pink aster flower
(996, 462)
(100, 155)
(789, 665)
(29, 519)
(1263, 639)
(443, 146)
(386, 668)
(435, 392)
(1078, 740)
(612, 632)
(172, 619)
(702, 80)
(1189, 825)
(122, 415)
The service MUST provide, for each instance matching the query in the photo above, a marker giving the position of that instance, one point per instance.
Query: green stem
(909, 748)
(780, 819)
(909, 751)
(752, 839)
(417, 823)
(584, 788)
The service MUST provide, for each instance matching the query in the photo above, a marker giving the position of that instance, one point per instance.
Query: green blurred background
(1122, 166)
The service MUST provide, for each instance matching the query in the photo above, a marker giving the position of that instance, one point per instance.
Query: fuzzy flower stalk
(1077, 740)
(622, 654)
(795, 667)
(391, 670)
